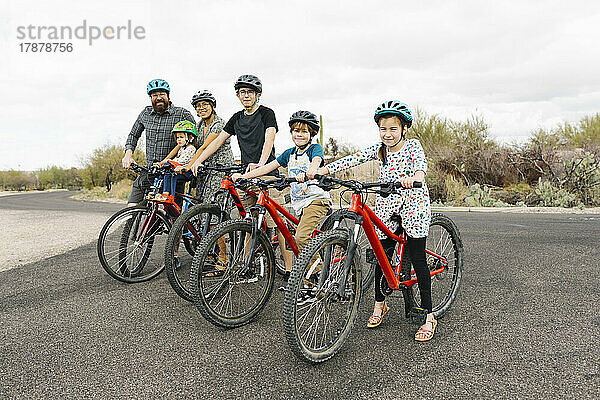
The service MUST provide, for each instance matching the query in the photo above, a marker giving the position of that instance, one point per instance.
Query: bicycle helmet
(204, 95)
(157, 84)
(248, 81)
(187, 127)
(306, 117)
(394, 107)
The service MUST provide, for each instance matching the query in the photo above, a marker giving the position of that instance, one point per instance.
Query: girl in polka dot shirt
(400, 160)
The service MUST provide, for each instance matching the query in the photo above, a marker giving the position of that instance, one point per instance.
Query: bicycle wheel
(367, 269)
(198, 217)
(444, 241)
(232, 293)
(130, 244)
(317, 322)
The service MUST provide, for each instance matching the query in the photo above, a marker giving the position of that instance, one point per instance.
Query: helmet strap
(304, 146)
(249, 108)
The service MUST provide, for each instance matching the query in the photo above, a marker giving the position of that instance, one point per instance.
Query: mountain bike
(325, 287)
(232, 292)
(130, 245)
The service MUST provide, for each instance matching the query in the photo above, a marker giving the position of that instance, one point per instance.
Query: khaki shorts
(311, 217)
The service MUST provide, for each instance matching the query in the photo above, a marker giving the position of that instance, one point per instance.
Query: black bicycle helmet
(204, 95)
(394, 107)
(306, 117)
(248, 81)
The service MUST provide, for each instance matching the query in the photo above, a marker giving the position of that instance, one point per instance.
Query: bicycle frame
(366, 217)
(275, 209)
(227, 186)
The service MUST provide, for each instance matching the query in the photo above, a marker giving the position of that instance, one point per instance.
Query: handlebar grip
(417, 184)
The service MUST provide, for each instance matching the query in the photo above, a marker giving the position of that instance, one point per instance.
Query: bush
(121, 189)
(104, 166)
(551, 196)
(481, 196)
(17, 180)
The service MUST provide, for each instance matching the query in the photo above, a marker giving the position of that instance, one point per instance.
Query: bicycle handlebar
(326, 182)
(278, 183)
(155, 169)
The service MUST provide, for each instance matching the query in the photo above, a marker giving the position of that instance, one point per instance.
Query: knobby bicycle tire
(320, 338)
(367, 269)
(217, 293)
(443, 239)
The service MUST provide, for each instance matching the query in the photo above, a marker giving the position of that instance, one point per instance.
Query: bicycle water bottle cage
(418, 315)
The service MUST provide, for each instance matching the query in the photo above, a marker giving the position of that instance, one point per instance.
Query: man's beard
(160, 105)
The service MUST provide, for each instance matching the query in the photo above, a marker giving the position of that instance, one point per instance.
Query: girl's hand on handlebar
(407, 182)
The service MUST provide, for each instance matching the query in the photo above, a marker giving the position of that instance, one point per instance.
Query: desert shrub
(456, 191)
(552, 196)
(582, 177)
(436, 184)
(121, 189)
(481, 196)
(104, 167)
(17, 180)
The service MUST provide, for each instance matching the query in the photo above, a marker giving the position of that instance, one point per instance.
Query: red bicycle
(329, 276)
(233, 293)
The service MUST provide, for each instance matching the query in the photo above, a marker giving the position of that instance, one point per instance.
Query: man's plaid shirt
(159, 139)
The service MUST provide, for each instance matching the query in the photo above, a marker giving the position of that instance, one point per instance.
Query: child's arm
(312, 170)
(360, 157)
(170, 155)
(260, 171)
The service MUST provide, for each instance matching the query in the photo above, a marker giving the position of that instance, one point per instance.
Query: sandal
(375, 320)
(424, 334)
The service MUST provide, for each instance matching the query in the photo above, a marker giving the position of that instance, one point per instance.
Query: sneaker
(284, 281)
(306, 296)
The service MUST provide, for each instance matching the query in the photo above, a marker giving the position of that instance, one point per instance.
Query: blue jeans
(170, 181)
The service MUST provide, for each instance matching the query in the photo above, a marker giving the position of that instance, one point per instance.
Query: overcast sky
(521, 65)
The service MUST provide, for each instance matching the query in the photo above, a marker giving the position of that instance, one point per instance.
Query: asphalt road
(526, 325)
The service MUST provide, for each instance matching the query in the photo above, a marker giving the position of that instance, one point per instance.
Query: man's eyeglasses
(157, 95)
(244, 92)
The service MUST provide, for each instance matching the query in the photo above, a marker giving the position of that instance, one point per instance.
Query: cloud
(520, 65)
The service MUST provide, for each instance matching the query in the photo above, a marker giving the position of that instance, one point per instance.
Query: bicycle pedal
(418, 315)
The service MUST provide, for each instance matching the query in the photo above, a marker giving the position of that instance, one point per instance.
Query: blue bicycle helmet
(394, 107)
(157, 84)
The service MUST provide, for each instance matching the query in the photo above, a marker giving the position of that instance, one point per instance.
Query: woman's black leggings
(416, 249)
